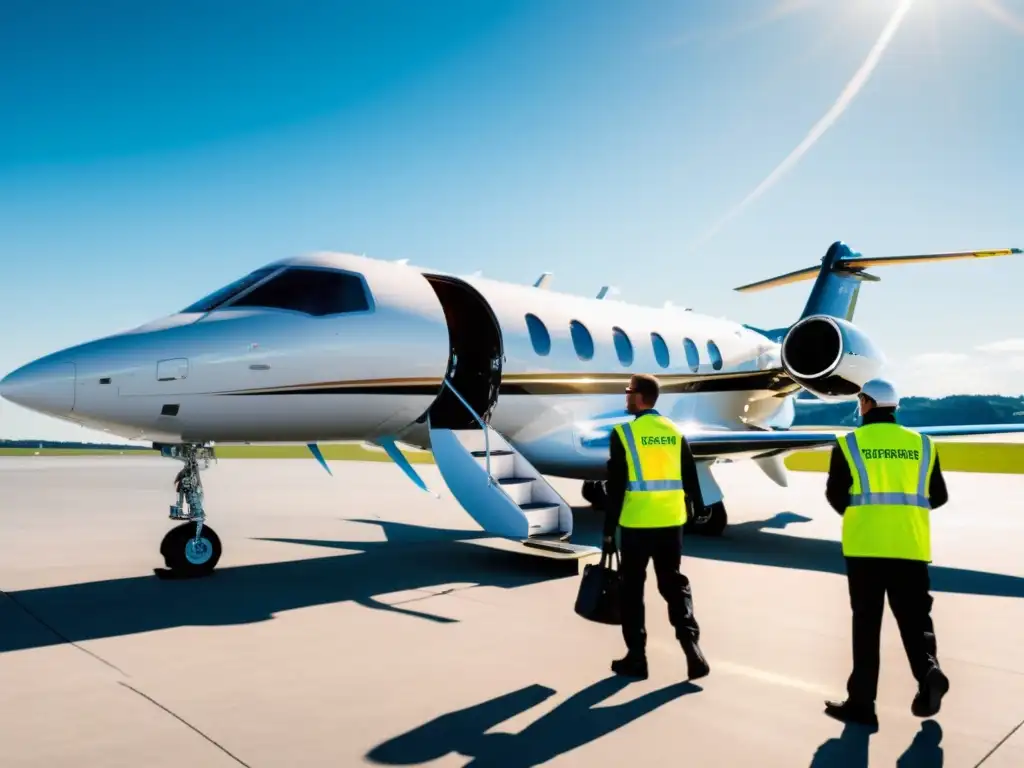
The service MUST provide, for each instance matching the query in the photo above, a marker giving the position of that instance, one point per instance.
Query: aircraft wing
(757, 443)
(711, 443)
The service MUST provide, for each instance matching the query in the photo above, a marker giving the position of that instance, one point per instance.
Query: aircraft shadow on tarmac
(850, 750)
(754, 543)
(411, 558)
(575, 722)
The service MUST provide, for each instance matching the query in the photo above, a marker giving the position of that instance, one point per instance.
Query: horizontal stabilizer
(855, 262)
(838, 279)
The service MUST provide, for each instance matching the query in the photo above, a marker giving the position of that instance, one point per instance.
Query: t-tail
(838, 279)
(823, 351)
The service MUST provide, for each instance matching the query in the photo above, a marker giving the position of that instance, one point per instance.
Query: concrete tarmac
(356, 620)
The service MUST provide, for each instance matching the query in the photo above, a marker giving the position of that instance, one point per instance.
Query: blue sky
(154, 151)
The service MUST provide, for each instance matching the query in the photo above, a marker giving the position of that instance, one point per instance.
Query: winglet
(544, 281)
(315, 450)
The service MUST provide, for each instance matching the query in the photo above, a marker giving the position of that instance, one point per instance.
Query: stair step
(513, 501)
(514, 480)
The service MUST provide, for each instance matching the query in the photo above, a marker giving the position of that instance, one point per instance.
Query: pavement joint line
(1002, 741)
(59, 635)
(185, 722)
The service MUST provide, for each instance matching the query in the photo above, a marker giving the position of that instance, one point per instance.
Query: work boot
(852, 712)
(928, 700)
(696, 665)
(631, 665)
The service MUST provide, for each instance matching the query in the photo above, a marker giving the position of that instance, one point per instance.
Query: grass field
(1003, 458)
(331, 452)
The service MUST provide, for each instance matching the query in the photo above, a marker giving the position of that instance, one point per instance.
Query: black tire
(180, 556)
(715, 524)
(594, 493)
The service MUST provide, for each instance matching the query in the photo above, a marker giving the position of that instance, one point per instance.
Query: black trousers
(664, 547)
(907, 584)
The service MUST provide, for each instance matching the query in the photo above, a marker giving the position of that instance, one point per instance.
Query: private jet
(505, 384)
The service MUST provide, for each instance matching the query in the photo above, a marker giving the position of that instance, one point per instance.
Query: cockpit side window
(228, 292)
(311, 291)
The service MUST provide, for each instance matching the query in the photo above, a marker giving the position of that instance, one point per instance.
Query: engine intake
(830, 357)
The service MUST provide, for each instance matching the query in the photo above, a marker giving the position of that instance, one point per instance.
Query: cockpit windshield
(215, 299)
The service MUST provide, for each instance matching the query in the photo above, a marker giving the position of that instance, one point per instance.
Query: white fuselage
(360, 371)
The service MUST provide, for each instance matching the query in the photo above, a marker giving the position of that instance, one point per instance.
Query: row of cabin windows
(583, 343)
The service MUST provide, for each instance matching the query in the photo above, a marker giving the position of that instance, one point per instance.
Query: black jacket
(837, 487)
(618, 476)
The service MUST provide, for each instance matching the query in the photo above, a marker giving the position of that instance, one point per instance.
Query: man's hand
(608, 545)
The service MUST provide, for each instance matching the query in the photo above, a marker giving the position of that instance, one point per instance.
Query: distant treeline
(52, 444)
(920, 411)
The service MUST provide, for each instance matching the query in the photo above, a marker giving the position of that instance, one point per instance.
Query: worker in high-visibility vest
(884, 479)
(652, 478)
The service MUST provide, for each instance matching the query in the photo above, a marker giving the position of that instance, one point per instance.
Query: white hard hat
(882, 392)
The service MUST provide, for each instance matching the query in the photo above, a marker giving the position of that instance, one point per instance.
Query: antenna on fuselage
(544, 281)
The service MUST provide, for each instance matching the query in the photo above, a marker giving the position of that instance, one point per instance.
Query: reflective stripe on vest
(654, 495)
(888, 513)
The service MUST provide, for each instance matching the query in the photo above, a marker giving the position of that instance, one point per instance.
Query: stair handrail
(483, 426)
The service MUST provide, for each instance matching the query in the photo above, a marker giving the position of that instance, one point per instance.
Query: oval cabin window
(623, 346)
(539, 336)
(715, 355)
(692, 355)
(582, 341)
(660, 350)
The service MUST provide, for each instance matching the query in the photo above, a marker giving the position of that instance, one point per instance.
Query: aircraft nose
(44, 386)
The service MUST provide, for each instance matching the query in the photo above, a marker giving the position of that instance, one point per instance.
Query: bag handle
(606, 559)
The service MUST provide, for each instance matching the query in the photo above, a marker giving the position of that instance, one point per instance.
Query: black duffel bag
(598, 599)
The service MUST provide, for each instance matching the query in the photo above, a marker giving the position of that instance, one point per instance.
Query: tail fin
(841, 273)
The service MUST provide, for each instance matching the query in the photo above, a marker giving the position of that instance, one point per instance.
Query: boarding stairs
(502, 491)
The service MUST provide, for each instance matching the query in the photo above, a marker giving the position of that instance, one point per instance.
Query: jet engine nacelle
(830, 357)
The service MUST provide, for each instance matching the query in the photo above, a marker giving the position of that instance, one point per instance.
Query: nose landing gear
(193, 548)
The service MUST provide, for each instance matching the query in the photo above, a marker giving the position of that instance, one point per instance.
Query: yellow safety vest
(889, 510)
(654, 488)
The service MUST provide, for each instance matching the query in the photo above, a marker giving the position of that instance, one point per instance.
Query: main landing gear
(712, 521)
(193, 548)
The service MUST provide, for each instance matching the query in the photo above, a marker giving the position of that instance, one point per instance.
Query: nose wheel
(193, 548)
(187, 555)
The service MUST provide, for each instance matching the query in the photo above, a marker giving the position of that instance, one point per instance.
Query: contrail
(850, 92)
(1001, 14)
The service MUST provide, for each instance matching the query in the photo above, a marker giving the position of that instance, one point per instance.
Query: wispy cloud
(994, 368)
(849, 93)
(1006, 345)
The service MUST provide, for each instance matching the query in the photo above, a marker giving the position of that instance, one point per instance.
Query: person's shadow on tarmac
(850, 750)
(573, 723)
